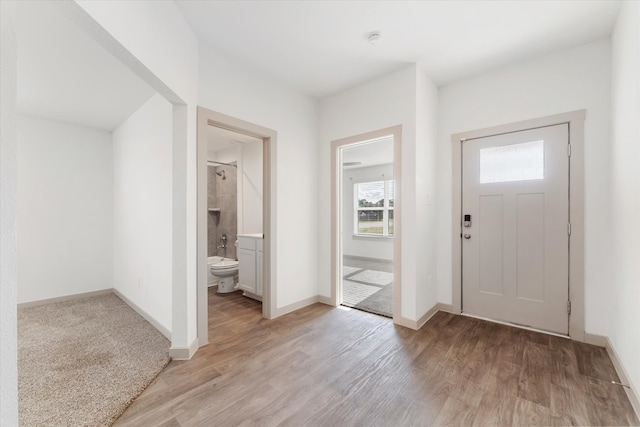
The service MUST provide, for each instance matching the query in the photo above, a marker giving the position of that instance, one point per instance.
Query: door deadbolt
(467, 221)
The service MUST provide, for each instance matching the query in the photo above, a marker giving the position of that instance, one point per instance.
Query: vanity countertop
(254, 235)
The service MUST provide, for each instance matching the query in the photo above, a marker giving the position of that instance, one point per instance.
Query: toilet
(226, 270)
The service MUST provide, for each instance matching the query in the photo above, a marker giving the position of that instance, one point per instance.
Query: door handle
(467, 236)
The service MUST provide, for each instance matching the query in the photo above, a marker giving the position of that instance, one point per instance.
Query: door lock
(467, 221)
(467, 236)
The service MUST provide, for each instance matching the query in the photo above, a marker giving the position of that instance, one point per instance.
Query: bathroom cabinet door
(247, 273)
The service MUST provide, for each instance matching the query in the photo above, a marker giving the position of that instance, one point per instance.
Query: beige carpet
(82, 362)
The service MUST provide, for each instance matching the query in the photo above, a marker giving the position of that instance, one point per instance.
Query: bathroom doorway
(234, 212)
(235, 245)
(366, 208)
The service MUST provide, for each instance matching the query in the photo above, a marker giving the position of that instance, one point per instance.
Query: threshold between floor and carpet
(83, 361)
(368, 290)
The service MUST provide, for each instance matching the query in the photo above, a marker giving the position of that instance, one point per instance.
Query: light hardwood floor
(322, 366)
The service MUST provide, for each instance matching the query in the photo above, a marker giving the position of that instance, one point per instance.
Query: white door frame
(336, 212)
(575, 120)
(269, 137)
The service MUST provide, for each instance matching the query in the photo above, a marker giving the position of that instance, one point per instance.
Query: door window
(515, 162)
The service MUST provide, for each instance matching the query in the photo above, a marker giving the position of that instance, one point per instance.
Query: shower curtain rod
(220, 163)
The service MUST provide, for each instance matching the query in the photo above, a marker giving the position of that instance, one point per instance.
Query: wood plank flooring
(322, 366)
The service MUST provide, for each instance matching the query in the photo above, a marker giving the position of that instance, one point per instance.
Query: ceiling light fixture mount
(374, 37)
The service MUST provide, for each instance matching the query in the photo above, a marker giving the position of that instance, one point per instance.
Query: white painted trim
(417, 324)
(632, 392)
(575, 119)
(324, 300)
(251, 295)
(65, 298)
(269, 137)
(407, 323)
(297, 305)
(184, 353)
(593, 339)
(336, 217)
(447, 308)
(146, 316)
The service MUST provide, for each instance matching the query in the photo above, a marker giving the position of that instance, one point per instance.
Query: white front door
(515, 245)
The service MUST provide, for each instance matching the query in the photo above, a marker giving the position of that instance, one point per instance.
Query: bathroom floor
(368, 285)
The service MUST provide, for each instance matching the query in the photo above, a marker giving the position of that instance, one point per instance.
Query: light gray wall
(570, 80)
(624, 285)
(8, 245)
(65, 209)
(142, 159)
(404, 97)
(233, 89)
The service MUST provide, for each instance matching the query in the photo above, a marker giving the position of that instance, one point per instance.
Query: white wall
(8, 249)
(155, 42)
(368, 247)
(426, 159)
(573, 79)
(142, 199)
(228, 155)
(395, 99)
(249, 160)
(250, 189)
(624, 285)
(65, 215)
(231, 88)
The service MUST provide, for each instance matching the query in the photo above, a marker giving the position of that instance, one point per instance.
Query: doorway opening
(365, 226)
(235, 212)
(518, 245)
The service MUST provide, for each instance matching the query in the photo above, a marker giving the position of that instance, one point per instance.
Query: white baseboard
(632, 392)
(447, 308)
(251, 295)
(296, 306)
(429, 314)
(325, 300)
(406, 322)
(419, 323)
(593, 339)
(65, 298)
(184, 353)
(146, 316)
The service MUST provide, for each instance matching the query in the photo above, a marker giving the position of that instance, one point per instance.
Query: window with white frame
(373, 208)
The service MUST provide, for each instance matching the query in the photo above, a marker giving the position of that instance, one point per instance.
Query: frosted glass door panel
(515, 162)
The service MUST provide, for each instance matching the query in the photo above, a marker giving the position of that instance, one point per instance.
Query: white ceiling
(65, 75)
(321, 48)
(219, 139)
(317, 47)
(373, 153)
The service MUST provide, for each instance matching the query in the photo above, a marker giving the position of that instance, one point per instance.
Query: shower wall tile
(211, 187)
(225, 198)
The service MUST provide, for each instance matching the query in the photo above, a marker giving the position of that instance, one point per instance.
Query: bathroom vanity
(250, 263)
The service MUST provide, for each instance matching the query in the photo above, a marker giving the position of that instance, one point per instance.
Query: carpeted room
(93, 214)
(83, 361)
